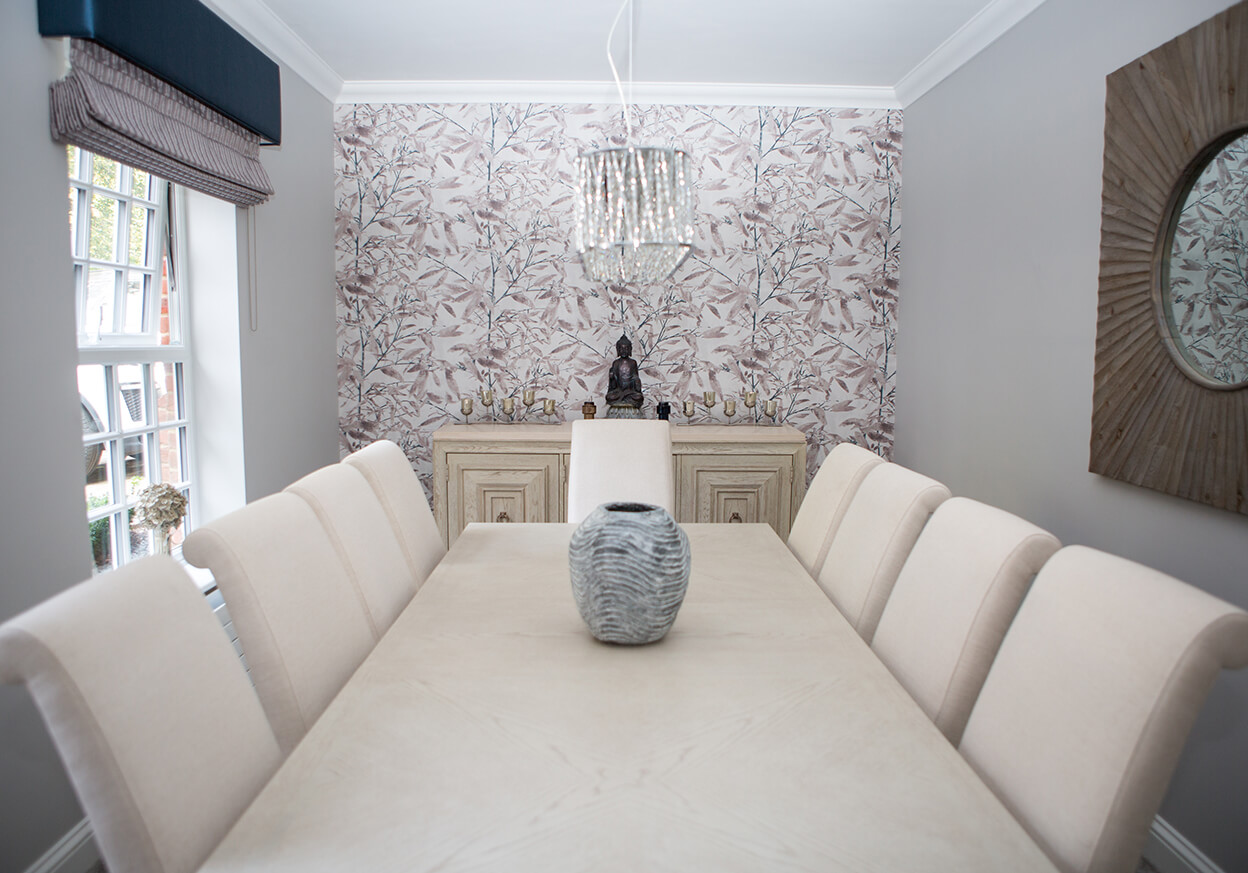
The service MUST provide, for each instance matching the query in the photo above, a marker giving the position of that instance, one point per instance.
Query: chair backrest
(826, 501)
(398, 488)
(953, 602)
(1080, 723)
(368, 544)
(149, 707)
(620, 460)
(300, 621)
(876, 535)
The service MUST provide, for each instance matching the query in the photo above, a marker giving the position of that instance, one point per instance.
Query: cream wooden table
(489, 731)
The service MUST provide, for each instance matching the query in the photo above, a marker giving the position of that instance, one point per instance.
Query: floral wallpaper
(456, 270)
(1209, 267)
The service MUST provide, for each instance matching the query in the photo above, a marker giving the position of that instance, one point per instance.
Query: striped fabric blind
(108, 105)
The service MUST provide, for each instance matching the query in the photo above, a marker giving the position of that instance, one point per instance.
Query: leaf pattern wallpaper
(456, 270)
(1209, 268)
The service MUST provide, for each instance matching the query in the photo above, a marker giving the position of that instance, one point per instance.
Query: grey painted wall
(288, 370)
(997, 329)
(43, 535)
(289, 362)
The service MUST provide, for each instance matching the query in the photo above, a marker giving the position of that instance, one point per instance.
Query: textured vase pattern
(630, 568)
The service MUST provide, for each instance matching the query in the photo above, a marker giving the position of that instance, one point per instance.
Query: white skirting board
(1166, 849)
(73, 853)
(1170, 852)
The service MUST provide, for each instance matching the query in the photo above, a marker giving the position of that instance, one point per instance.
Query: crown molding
(650, 93)
(986, 27)
(260, 24)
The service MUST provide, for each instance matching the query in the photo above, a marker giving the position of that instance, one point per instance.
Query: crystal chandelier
(634, 210)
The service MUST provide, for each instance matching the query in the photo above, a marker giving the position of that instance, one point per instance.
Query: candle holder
(465, 406)
(530, 396)
(730, 408)
(708, 397)
(689, 408)
(750, 399)
(772, 409)
(548, 407)
(509, 406)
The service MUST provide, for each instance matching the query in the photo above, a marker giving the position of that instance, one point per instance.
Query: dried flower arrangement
(159, 506)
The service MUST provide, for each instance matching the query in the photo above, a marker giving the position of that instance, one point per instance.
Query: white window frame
(115, 348)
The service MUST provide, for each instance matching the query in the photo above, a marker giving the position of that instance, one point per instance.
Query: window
(133, 359)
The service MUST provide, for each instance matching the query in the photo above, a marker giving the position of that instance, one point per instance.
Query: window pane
(71, 153)
(136, 284)
(104, 210)
(167, 389)
(169, 326)
(171, 455)
(102, 543)
(73, 218)
(140, 184)
(99, 487)
(134, 449)
(177, 534)
(93, 392)
(133, 396)
(97, 318)
(140, 540)
(140, 220)
(106, 173)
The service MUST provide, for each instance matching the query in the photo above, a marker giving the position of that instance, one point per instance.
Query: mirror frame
(1154, 423)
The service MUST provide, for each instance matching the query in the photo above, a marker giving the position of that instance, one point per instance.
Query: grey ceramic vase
(630, 569)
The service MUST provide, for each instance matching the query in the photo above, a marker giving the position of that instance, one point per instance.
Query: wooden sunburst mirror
(1161, 419)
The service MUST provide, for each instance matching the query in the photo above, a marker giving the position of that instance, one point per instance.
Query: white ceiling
(877, 52)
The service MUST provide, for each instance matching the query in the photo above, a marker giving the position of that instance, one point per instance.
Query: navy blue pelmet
(185, 44)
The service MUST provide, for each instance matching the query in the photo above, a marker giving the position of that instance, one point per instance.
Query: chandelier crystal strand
(634, 213)
(634, 210)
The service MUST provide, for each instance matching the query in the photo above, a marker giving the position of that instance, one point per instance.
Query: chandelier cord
(628, 119)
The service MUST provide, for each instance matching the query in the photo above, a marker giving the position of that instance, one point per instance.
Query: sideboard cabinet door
(502, 488)
(727, 489)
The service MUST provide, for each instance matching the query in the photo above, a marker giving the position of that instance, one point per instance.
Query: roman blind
(112, 107)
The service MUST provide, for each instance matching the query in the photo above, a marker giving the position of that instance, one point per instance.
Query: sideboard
(519, 473)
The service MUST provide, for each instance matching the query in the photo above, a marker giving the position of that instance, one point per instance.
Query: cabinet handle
(735, 518)
(503, 517)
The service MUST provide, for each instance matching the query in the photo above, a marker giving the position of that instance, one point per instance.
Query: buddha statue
(624, 395)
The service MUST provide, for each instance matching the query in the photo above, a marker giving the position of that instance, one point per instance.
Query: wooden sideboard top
(562, 432)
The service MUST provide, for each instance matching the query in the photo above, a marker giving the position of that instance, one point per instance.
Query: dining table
(489, 731)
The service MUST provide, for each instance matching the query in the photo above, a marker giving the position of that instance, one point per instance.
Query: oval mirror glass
(1204, 291)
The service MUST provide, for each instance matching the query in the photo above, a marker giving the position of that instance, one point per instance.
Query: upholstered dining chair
(1082, 717)
(881, 525)
(397, 486)
(620, 460)
(302, 625)
(953, 602)
(150, 709)
(826, 501)
(358, 526)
